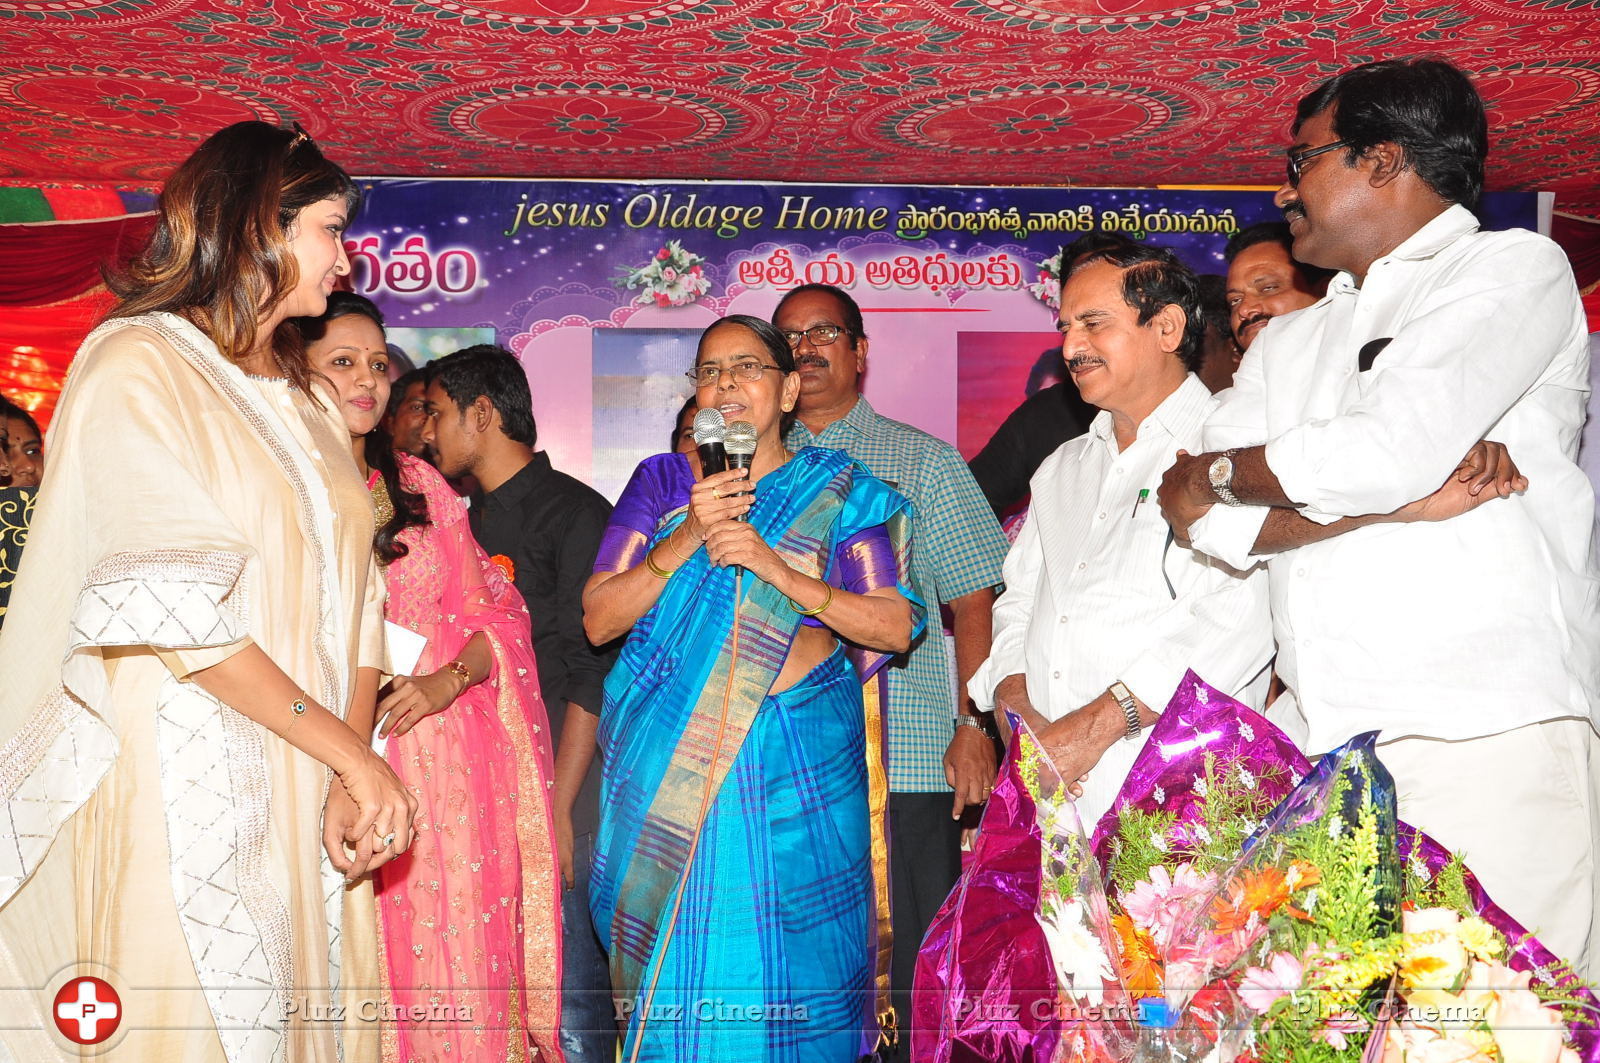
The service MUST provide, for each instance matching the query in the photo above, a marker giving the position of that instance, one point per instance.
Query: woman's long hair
(410, 508)
(220, 253)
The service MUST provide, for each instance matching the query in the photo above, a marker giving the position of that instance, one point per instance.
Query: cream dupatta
(187, 511)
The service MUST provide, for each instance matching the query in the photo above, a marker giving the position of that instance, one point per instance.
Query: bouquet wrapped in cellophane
(1018, 966)
(1289, 917)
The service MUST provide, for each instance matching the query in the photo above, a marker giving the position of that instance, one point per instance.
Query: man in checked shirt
(936, 743)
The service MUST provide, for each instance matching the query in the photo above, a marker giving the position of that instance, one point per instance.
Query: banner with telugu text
(602, 288)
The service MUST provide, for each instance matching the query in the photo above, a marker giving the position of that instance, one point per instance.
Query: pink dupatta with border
(471, 916)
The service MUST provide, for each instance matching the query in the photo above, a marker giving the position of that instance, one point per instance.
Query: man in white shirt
(1471, 644)
(1102, 612)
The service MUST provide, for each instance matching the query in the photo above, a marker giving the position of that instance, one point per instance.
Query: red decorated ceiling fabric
(1083, 92)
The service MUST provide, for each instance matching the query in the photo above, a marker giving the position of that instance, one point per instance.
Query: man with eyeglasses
(936, 742)
(1464, 627)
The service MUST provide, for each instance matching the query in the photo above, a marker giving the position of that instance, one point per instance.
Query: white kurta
(149, 834)
(1472, 645)
(1097, 591)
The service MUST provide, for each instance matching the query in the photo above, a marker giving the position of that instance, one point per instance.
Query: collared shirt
(1589, 446)
(956, 548)
(549, 524)
(1367, 401)
(1097, 591)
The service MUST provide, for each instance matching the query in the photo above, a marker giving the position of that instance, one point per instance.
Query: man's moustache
(1081, 360)
(813, 359)
(1258, 319)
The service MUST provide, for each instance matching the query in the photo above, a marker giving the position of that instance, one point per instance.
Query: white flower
(1160, 796)
(1079, 958)
(1246, 780)
(1248, 731)
(1201, 833)
(1158, 841)
(1200, 785)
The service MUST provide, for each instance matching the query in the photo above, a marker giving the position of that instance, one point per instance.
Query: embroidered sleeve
(188, 605)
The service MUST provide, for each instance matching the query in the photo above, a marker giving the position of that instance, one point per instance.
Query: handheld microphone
(740, 443)
(709, 430)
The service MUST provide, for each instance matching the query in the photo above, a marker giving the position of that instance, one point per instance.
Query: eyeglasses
(819, 335)
(706, 376)
(1297, 159)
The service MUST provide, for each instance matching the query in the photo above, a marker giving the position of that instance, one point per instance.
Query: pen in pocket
(1144, 493)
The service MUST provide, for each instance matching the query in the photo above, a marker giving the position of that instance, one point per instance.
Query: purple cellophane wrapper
(985, 987)
(1200, 719)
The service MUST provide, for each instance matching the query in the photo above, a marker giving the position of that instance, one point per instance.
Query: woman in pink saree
(469, 918)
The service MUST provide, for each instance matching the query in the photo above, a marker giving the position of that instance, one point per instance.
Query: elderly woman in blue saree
(739, 879)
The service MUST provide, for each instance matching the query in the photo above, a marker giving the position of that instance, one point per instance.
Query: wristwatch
(1130, 708)
(1221, 477)
(962, 719)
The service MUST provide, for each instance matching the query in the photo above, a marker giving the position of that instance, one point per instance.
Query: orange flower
(1261, 893)
(1141, 960)
(508, 566)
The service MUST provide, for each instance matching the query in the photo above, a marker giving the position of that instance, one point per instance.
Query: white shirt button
(1299, 572)
(1102, 516)
(1063, 620)
(1082, 565)
(1056, 675)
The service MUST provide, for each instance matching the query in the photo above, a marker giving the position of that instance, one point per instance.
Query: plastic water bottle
(1155, 1044)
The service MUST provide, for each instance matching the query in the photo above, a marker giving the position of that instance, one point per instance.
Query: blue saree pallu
(764, 947)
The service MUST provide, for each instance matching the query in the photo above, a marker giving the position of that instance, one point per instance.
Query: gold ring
(715, 493)
(386, 840)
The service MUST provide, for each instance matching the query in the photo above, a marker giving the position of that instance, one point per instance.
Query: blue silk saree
(778, 947)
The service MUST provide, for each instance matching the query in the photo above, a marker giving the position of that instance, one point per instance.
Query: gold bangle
(826, 586)
(460, 671)
(673, 547)
(655, 570)
(297, 709)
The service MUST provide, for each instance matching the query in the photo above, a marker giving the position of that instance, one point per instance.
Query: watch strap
(1130, 708)
(1224, 489)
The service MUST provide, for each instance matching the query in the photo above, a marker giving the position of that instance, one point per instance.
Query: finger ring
(715, 493)
(386, 841)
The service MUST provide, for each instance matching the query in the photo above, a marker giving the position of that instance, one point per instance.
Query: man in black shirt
(544, 527)
(1045, 420)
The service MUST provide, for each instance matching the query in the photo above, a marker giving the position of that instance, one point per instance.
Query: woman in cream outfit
(197, 616)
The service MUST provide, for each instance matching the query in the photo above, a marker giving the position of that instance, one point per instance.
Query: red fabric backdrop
(46, 262)
(37, 344)
(51, 295)
(1580, 239)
